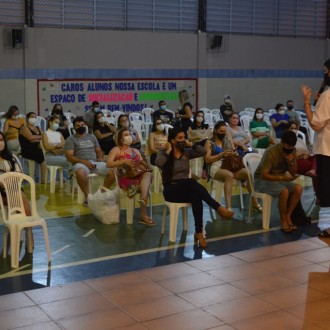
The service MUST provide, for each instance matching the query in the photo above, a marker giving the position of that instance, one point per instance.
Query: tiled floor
(248, 278)
(285, 286)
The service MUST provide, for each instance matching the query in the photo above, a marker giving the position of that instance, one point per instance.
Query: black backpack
(299, 217)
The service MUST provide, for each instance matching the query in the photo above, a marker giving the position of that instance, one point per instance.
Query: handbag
(133, 171)
(232, 162)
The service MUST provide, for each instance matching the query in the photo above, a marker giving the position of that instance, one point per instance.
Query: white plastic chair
(250, 111)
(266, 118)
(106, 112)
(272, 111)
(301, 135)
(80, 195)
(136, 116)
(14, 216)
(310, 133)
(251, 162)
(141, 128)
(217, 186)
(111, 120)
(174, 217)
(52, 170)
(217, 114)
(42, 123)
(167, 127)
(210, 119)
(116, 114)
(245, 122)
(147, 112)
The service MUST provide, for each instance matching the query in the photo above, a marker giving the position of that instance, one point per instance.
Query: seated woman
(260, 131)
(178, 186)
(279, 120)
(10, 163)
(11, 128)
(53, 144)
(199, 130)
(104, 132)
(306, 163)
(122, 156)
(239, 137)
(63, 124)
(123, 122)
(29, 140)
(157, 139)
(220, 147)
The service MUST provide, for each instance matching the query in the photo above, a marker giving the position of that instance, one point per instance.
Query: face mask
(227, 102)
(287, 150)
(15, 117)
(81, 130)
(58, 111)
(282, 112)
(160, 127)
(221, 135)
(32, 121)
(294, 130)
(56, 126)
(181, 145)
(127, 140)
(199, 119)
(2, 145)
(96, 109)
(290, 107)
(259, 115)
(163, 107)
(102, 120)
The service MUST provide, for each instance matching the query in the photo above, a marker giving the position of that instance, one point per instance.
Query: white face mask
(32, 121)
(102, 120)
(160, 127)
(15, 117)
(2, 145)
(56, 126)
(259, 115)
(199, 119)
(127, 140)
(281, 112)
(96, 109)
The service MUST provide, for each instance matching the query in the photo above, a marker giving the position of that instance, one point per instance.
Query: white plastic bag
(104, 204)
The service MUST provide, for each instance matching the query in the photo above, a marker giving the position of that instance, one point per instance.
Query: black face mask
(287, 150)
(181, 145)
(81, 130)
(290, 107)
(221, 136)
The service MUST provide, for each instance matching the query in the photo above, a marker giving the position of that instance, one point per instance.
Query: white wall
(255, 71)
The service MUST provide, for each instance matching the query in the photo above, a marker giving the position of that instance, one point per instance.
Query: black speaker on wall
(17, 40)
(216, 41)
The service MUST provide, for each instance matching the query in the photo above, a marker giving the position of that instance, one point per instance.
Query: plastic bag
(104, 205)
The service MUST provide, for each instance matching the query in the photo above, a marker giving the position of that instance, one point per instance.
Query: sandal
(142, 202)
(324, 233)
(293, 227)
(147, 221)
(287, 230)
(258, 208)
(225, 213)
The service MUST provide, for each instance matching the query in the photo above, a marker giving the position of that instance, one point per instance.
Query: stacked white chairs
(251, 162)
(14, 217)
(136, 116)
(141, 128)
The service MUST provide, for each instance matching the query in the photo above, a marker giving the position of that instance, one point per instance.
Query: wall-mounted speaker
(216, 41)
(14, 38)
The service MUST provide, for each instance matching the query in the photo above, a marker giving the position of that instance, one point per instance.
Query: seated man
(84, 152)
(274, 176)
(165, 116)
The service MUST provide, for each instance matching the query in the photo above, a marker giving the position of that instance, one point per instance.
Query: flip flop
(324, 233)
(287, 230)
(147, 222)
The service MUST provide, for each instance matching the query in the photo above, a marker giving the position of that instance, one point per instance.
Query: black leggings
(323, 179)
(190, 191)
